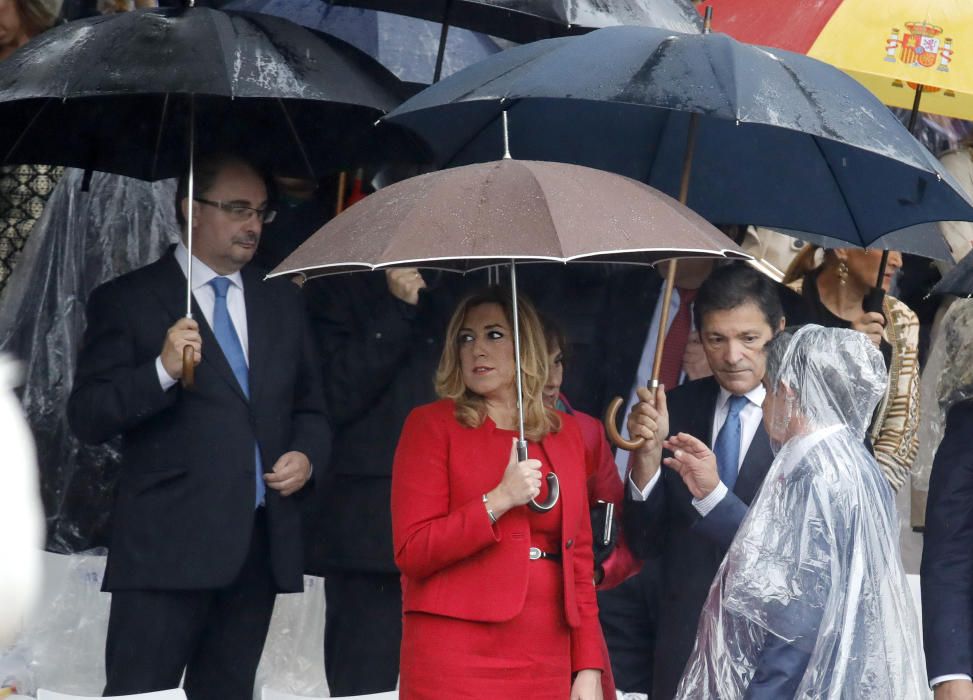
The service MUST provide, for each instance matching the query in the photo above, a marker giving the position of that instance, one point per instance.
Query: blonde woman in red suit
(498, 600)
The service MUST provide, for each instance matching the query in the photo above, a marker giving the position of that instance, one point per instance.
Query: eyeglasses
(240, 212)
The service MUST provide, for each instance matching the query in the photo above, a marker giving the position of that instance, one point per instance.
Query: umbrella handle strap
(553, 493)
(610, 427)
(188, 368)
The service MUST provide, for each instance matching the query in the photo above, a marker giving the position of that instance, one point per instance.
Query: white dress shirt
(750, 417)
(205, 297)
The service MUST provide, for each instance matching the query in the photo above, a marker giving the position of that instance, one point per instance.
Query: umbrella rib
(297, 139)
(24, 133)
(844, 197)
(158, 137)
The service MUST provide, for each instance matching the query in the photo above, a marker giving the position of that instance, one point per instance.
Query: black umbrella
(744, 134)
(528, 20)
(114, 93)
(405, 45)
(783, 140)
(135, 93)
(959, 280)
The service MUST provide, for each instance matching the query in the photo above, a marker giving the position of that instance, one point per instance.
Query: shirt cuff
(704, 506)
(165, 381)
(949, 677)
(643, 494)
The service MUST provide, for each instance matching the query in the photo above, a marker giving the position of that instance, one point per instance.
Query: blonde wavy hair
(471, 407)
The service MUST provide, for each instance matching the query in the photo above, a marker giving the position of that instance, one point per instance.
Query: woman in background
(834, 292)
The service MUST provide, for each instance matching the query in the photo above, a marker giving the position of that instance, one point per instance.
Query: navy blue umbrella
(407, 46)
(740, 133)
(783, 140)
(959, 280)
(528, 20)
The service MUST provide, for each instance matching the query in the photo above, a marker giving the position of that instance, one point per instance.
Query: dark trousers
(215, 636)
(362, 632)
(628, 615)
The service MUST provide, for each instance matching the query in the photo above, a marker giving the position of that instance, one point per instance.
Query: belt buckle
(535, 553)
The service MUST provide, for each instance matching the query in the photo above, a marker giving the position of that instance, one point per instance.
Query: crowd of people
(364, 427)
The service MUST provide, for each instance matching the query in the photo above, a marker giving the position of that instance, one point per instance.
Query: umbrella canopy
(528, 20)
(890, 47)
(91, 93)
(783, 140)
(959, 280)
(405, 45)
(476, 216)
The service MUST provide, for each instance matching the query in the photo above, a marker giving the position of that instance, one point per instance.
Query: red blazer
(454, 562)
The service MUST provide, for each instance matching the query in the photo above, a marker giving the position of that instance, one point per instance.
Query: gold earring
(842, 273)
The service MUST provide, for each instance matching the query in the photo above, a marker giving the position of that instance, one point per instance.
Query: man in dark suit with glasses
(206, 527)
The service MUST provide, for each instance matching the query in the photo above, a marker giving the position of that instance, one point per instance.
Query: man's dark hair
(206, 169)
(734, 285)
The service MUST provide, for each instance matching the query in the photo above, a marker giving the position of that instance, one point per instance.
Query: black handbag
(604, 531)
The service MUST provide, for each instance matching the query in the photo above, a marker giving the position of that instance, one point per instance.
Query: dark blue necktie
(727, 448)
(233, 352)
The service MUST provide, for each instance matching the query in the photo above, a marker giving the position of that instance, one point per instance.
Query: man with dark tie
(206, 528)
(686, 519)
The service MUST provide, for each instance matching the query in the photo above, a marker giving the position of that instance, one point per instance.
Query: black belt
(538, 553)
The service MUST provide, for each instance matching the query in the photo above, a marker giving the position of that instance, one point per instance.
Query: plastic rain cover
(811, 600)
(81, 240)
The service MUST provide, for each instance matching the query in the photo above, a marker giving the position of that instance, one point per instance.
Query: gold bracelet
(489, 510)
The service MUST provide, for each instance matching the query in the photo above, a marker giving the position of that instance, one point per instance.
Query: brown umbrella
(487, 214)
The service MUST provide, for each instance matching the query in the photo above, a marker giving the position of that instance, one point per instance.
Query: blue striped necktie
(229, 342)
(727, 447)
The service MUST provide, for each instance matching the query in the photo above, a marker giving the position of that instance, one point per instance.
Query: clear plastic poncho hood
(811, 600)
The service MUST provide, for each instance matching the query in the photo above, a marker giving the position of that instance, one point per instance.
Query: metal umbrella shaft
(553, 486)
(188, 354)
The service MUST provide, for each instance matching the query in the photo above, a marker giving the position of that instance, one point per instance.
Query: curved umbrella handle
(610, 427)
(553, 493)
(188, 368)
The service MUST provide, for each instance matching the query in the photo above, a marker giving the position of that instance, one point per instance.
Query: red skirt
(526, 657)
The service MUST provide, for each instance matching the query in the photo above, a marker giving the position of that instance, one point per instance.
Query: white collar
(202, 273)
(754, 396)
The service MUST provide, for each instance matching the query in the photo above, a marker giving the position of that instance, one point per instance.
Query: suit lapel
(259, 313)
(703, 420)
(170, 288)
(754, 467)
(560, 458)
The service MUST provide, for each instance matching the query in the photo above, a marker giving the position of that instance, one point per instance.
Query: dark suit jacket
(689, 548)
(947, 556)
(184, 505)
(379, 356)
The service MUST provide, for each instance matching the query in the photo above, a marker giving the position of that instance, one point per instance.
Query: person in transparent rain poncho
(811, 600)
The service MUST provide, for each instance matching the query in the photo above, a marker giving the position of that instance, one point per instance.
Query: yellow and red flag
(890, 46)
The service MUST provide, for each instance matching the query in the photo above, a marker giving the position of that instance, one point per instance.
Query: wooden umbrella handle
(611, 428)
(188, 367)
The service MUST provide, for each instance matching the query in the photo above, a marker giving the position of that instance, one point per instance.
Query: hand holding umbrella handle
(553, 485)
(553, 493)
(188, 367)
(611, 414)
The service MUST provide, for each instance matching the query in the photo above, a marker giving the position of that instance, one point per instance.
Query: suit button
(569, 544)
